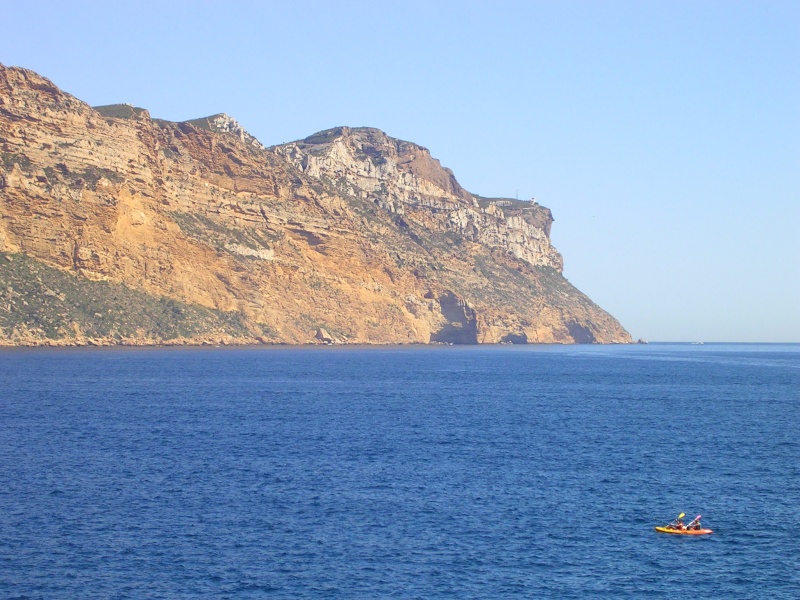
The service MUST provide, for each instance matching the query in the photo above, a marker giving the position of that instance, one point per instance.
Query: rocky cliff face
(349, 231)
(403, 179)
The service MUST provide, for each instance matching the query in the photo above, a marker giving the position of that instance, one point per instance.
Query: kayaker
(695, 524)
(678, 524)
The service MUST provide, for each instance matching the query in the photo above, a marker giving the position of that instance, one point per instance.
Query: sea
(400, 472)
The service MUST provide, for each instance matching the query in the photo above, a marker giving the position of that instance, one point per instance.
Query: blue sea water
(410, 472)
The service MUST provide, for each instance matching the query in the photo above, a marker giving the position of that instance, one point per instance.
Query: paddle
(695, 522)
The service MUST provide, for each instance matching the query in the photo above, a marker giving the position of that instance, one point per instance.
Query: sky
(663, 135)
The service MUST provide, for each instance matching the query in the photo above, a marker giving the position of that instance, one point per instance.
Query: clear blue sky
(664, 135)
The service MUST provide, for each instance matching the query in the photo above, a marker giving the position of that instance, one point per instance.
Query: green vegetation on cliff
(39, 302)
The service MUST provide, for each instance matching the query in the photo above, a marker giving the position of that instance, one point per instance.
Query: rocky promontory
(118, 228)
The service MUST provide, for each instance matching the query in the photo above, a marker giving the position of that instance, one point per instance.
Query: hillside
(119, 228)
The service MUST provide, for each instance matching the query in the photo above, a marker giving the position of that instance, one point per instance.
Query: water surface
(415, 472)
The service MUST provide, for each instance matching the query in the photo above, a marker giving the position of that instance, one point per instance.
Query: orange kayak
(684, 531)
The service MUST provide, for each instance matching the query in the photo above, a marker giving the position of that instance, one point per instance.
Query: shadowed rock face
(349, 232)
(461, 323)
(581, 333)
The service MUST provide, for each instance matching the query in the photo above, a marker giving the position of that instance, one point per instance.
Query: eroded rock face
(350, 232)
(403, 178)
(461, 322)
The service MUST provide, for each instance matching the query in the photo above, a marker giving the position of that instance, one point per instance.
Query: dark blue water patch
(399, 472)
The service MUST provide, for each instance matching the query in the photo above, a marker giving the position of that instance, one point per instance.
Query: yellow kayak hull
(684, 531)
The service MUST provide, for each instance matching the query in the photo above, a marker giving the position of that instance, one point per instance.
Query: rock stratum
(118, 228)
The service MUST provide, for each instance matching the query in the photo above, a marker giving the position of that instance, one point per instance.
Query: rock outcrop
(403, 179)
(351, 233)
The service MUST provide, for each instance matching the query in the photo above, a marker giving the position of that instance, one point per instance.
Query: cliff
(119, 228)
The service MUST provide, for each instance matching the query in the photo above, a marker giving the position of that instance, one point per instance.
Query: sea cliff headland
(118, 228)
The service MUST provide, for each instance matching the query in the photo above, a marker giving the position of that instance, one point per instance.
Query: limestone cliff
(215, 238)
(404, 179)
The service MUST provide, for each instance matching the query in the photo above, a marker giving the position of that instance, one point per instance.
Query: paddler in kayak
(678, 523)
(695, 524)
(677, 527)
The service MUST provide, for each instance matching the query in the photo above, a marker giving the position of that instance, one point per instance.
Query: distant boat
(697, 343)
